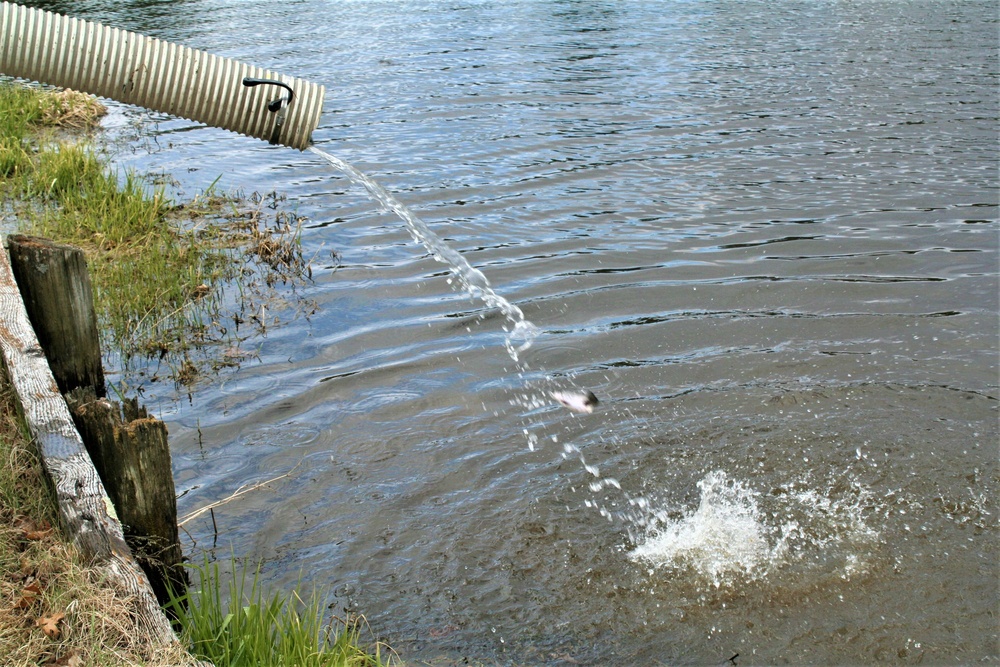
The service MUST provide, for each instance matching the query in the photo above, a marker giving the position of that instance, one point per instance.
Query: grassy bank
(54, 610)
(159, 271)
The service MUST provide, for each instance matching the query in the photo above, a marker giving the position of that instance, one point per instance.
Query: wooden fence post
(88, 518)
(57, 294)
(131, 455)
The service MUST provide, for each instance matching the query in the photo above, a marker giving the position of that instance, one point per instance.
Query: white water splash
(729, 539)
(521, 333)
(722, 539)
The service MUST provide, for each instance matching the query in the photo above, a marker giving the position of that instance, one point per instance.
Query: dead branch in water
(242, 490)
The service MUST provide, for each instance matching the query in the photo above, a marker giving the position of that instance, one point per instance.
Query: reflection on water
(764, 236)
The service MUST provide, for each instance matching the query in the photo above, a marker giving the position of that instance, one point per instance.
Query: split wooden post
(132, 456)
(57, 294)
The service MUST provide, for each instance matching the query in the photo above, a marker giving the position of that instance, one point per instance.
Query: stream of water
(726, 540)
(468, 278)
(763, 234)
(519, 336)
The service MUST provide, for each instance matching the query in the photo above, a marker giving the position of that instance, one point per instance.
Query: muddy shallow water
(764, 234)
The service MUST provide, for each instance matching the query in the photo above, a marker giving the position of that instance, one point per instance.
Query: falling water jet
(522, 332)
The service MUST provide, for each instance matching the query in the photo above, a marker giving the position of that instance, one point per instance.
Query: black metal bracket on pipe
(273, 105)
(277, 106)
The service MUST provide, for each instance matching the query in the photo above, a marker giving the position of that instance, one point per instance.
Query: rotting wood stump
(131, 454)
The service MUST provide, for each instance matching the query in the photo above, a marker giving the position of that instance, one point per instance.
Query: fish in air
(576, 400)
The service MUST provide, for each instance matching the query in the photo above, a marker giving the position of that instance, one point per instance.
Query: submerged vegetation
(160, 270)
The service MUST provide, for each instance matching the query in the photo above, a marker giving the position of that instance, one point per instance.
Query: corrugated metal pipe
(161, 76)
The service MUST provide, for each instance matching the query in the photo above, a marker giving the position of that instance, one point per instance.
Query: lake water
(763, 233)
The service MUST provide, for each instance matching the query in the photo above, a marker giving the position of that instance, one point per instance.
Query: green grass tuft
(248, 627)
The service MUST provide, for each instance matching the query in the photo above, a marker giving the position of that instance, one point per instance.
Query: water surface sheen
(763, 233)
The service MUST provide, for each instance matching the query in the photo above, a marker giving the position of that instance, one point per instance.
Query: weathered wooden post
(88, 519)
(131, 454)
(129, 451)
(57, 294)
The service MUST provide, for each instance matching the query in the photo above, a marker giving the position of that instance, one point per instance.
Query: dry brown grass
(54, 610)
(70, 109)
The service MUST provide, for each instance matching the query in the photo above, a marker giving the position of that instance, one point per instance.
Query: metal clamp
(278, 106)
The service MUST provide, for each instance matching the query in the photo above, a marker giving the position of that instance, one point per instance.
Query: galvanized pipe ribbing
(129, 67)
